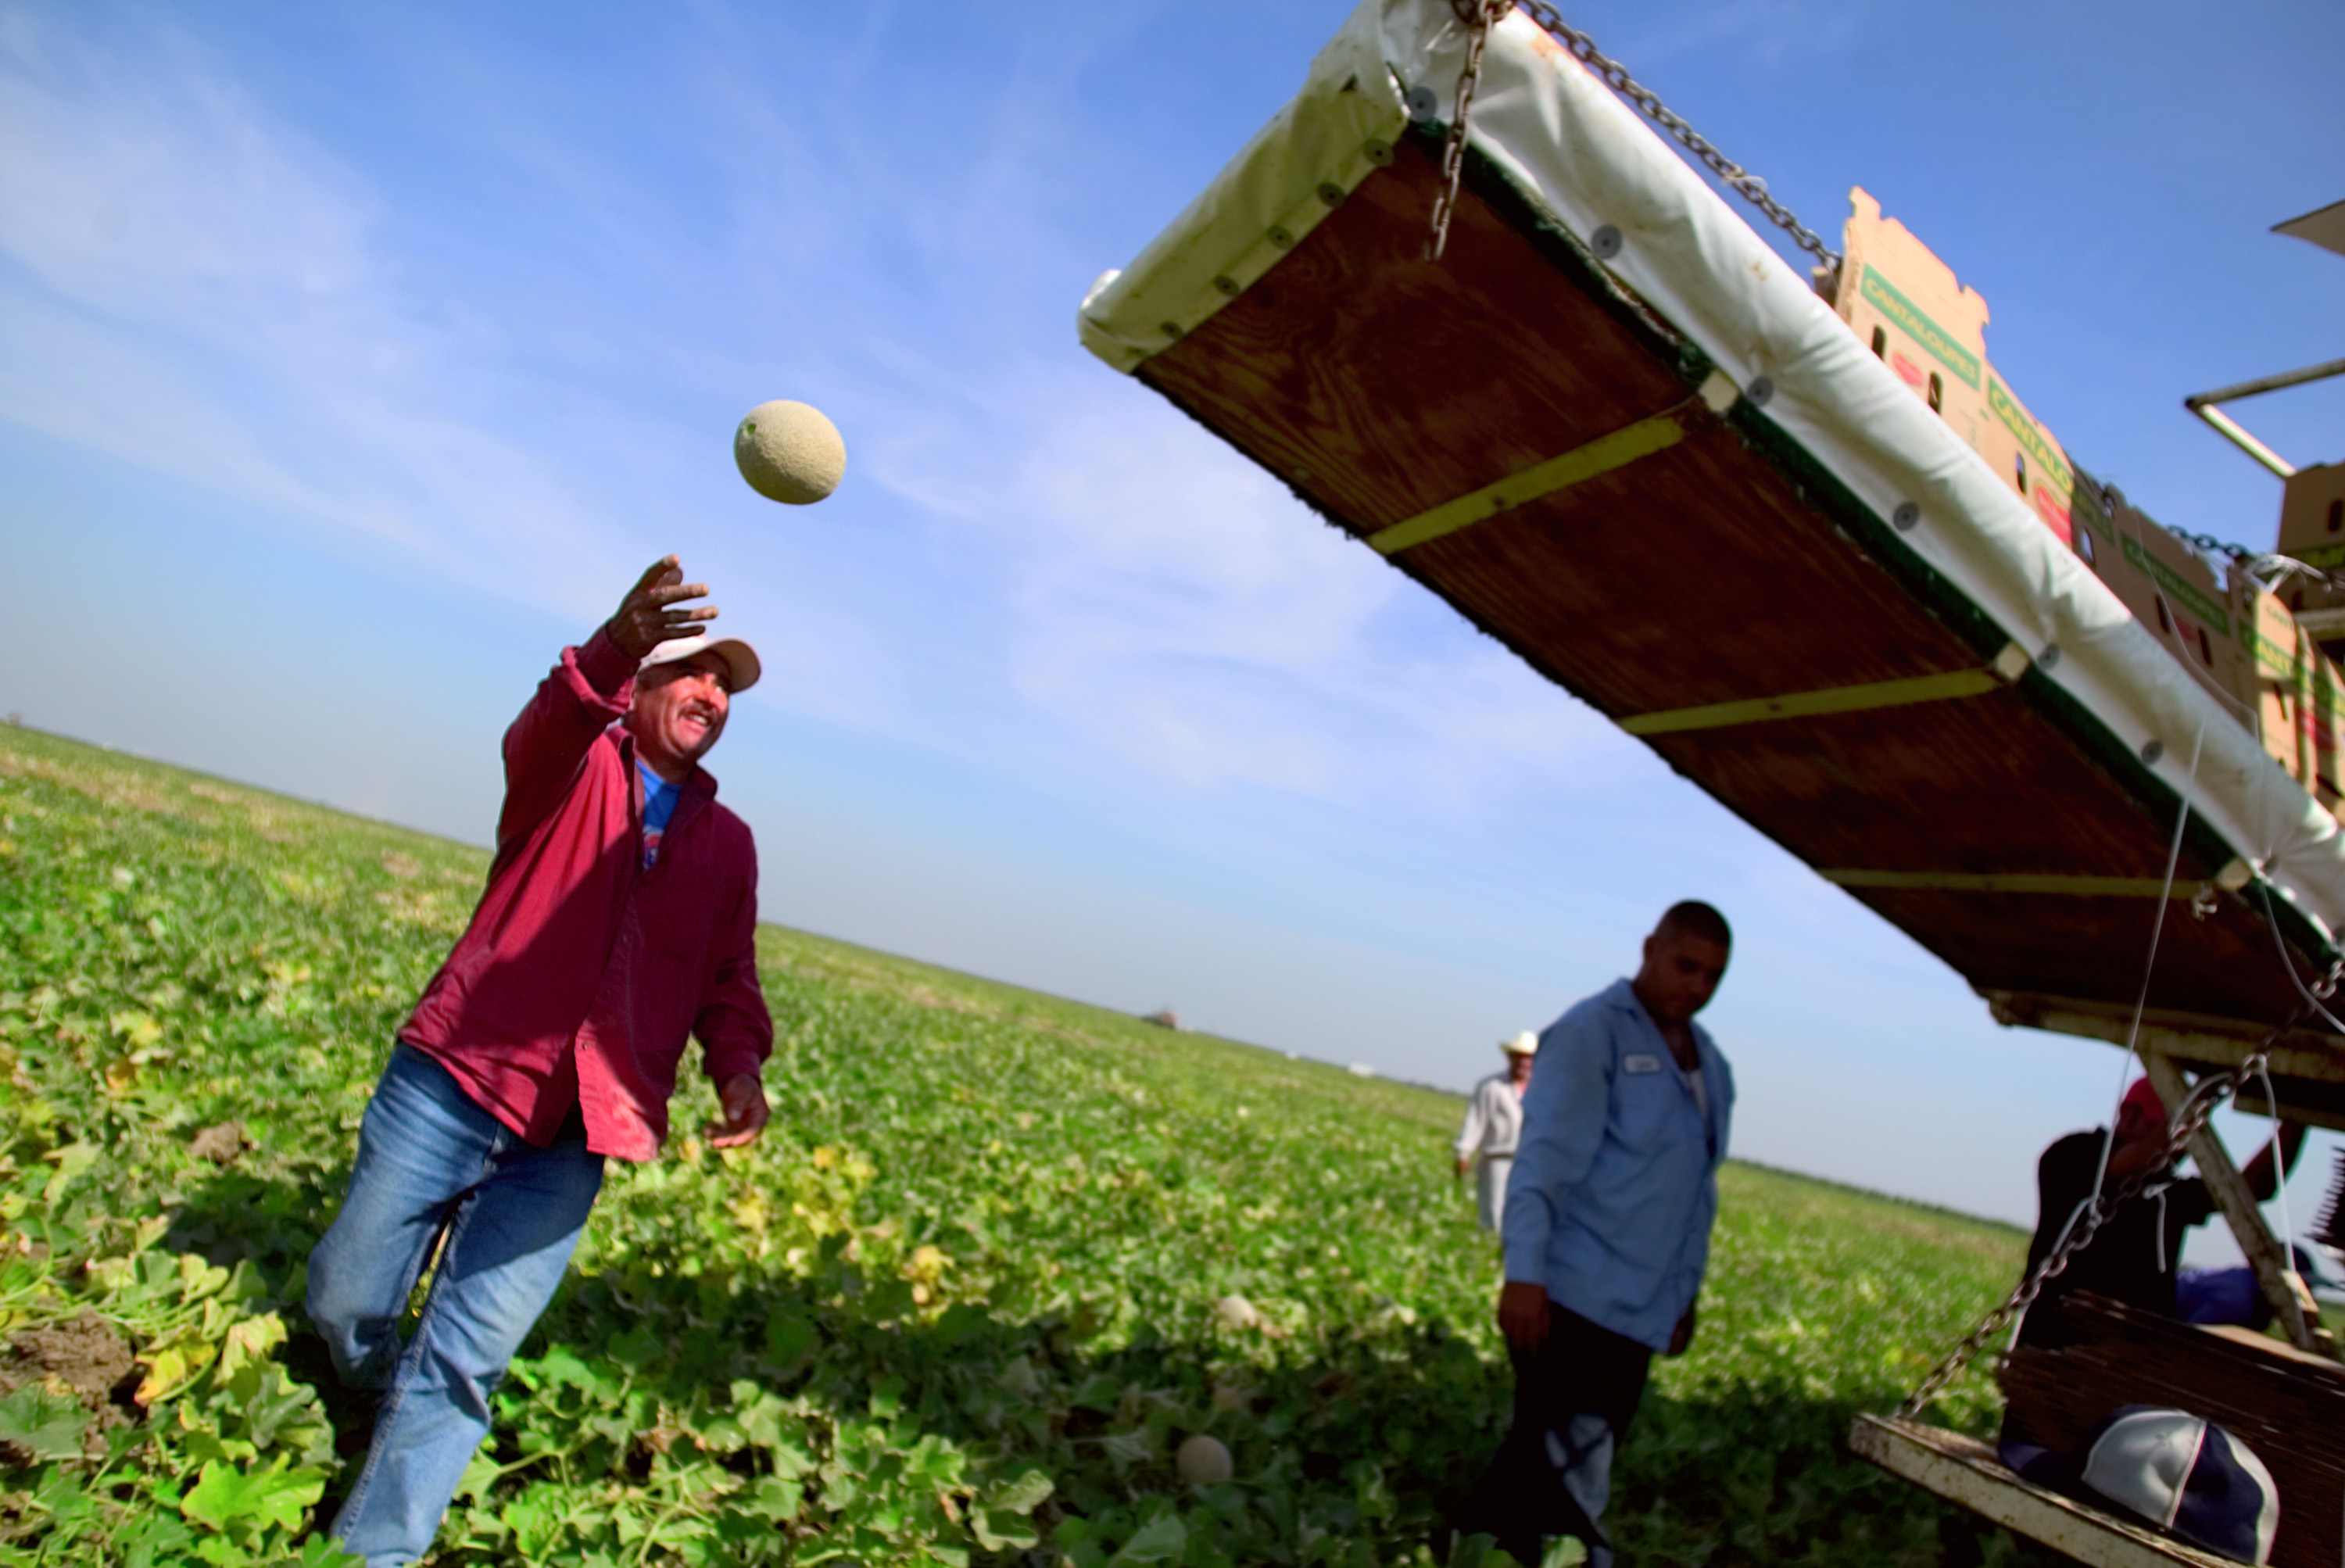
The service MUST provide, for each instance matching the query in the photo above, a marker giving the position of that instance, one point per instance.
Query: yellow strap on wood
(2013, 883)
(1602, 456)
(1806, 704)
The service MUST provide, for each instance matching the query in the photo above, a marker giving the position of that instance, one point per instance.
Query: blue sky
(354, 358)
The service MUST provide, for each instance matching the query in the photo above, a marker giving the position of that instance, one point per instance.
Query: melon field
(957, 1307)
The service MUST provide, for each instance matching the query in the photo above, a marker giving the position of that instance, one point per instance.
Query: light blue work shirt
(1615, 1179)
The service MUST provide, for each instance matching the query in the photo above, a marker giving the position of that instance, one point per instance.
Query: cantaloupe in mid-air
(790, 452)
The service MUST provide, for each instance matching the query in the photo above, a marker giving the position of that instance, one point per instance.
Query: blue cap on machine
(2186, 1475)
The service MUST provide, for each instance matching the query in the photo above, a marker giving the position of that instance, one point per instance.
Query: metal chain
(1477, 16)
(2265, 566)
(1749, 186)
(2207, 544)
(2183, 1125)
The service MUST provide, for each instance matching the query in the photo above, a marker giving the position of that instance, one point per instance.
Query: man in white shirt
(1493, 1125)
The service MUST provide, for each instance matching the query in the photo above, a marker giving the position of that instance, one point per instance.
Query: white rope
(2149, 964)
(2271, 920)
(2279, 1181)
(2140, 1003)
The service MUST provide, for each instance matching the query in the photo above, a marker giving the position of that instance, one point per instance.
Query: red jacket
(582, 972)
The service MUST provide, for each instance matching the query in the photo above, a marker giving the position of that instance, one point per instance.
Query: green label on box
(2031, 439)
(2269, 655)
(2281, 661)
(2324, 556)
(1920, 328)
(2187, 594)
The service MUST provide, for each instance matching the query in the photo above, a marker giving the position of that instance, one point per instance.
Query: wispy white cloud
(198, 289)
(1181, 604)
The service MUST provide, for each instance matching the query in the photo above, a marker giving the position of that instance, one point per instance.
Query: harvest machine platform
(1620, 434)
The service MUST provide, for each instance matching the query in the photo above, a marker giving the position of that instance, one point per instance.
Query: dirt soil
(86, 1356)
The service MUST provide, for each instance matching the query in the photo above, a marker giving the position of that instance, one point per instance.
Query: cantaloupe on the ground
(1203, 1461)
(788, 451)
(1235, 1312)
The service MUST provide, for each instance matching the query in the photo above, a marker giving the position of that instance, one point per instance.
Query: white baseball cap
(741, 666)
(1523, 1044)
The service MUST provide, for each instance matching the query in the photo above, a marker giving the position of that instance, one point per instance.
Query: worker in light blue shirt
(1607, 1230)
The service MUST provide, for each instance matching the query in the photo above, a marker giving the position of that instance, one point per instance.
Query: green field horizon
(957, 1307)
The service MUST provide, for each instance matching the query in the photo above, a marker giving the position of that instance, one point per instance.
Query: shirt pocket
(1650, 1111)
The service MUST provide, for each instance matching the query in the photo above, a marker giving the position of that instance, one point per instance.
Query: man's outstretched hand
(653, 611)
(742, 1099)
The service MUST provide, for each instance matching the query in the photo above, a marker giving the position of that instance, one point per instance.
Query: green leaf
(1130, 1448)
(249, 1342)
(279, 1497)
(638, 1347)
(172, 1364)
(73, 1162)
(764, 1417)
(774, 1498)
(481, 1475)
(45, 1425)
(999, 1531)
(1022, 1495)
(788, 1337)
(1161, 1539)
(317, 1551)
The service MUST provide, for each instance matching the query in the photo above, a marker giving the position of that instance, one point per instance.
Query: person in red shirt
(620, 917)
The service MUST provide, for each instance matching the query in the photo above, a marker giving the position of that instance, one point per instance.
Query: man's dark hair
(1693, 918)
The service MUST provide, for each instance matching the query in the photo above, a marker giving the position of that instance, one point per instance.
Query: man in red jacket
(620, 916)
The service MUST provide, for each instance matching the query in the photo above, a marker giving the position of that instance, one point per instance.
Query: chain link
(2266, 567)
(1740, 180)
(1476, 16)
(2183, 1125)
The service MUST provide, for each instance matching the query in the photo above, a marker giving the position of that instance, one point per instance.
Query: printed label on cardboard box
(1882, 295)
(2296, 693)
(2033, 440)
(2187, 595)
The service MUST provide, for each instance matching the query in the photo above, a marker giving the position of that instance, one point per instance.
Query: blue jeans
(431, 1163)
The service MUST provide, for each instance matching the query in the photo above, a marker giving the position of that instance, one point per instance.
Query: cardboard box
(2019, 448)
(2295, 688)
(2176, 596)
(2241, 643)
(2278, 686)
(2093, 529)
(1906, 305)
(2313, 529)
(2312, 516)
